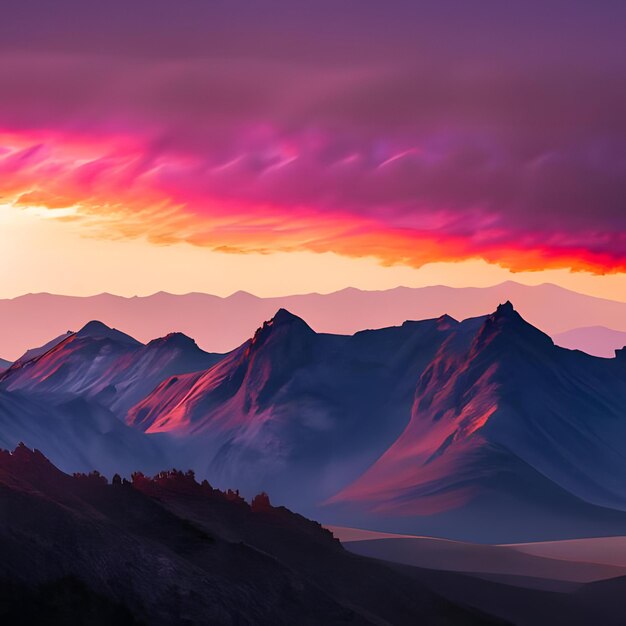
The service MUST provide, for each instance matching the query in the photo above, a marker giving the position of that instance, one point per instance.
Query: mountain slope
(77, 434)
(105, 364)
(69, 400)
(169, 550)
(513, 438)
(295, 410)
(33, 353)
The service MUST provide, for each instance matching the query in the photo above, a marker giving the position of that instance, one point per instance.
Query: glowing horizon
(110, 266)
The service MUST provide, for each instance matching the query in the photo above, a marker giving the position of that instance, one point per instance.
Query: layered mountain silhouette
(596, 340)
(221, 324)
(478, 430)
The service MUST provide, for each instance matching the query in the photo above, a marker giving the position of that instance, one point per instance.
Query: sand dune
(581, 560)
(606, 550)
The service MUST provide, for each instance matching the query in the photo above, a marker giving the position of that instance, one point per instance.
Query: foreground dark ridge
(167, 549)
(170, 550)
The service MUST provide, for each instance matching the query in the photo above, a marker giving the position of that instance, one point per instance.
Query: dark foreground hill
(168, 550)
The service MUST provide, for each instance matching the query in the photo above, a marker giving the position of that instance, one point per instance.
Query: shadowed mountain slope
(33, 353)
(169, 550)
(514, 429)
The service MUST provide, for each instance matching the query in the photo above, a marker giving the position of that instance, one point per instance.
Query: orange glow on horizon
(109, 190)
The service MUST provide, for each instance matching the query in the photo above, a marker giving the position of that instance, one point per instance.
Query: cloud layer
(413, 137)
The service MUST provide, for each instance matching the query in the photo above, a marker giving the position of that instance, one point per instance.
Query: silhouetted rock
(261, 503)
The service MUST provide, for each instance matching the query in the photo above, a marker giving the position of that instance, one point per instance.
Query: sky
(286, 147)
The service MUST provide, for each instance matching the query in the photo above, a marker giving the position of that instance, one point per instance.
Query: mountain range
(480, 430)
(221, 324)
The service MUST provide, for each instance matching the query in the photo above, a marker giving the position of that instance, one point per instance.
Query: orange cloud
(119, 187)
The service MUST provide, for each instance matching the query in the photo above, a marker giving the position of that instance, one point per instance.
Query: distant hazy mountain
(4, 364)
(596, 340)
(221, 324)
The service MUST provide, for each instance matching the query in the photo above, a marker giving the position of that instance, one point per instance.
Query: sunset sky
(281, 147)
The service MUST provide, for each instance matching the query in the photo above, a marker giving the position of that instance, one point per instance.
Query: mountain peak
(506, 308)
(284, 323)
(25, 462)
(98, 330)
(283, 316)
(94, 326)
(176, 339)
(445, 322)
(506, 322)
(506, 313)
(22, 453)
(285, 319)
